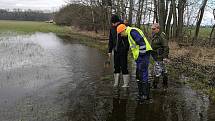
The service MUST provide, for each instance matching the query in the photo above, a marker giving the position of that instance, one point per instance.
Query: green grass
(204, 32)
(31, 27)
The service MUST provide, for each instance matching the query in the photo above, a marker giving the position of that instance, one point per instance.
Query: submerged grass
(25, 27)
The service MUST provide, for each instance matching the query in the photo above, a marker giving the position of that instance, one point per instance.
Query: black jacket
(119, 44)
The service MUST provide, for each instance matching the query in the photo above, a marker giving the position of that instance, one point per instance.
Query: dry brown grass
(100, 35)
(199, 55)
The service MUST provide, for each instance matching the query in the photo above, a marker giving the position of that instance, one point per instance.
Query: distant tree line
(89, 16)
(26, 15)
(179, 19)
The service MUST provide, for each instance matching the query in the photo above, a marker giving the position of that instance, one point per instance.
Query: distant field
(30, 27)
(204, 32)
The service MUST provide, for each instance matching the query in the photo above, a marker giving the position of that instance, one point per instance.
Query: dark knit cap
(115, 18)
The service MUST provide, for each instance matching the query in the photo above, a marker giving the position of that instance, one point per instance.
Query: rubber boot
(125, 86)
(155, 82)
(116, 80)
(145, 90)
(147, 93)
(125, 80)
(165, 80)
(140, 90)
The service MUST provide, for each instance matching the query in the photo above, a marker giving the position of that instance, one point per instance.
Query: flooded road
(46, 78)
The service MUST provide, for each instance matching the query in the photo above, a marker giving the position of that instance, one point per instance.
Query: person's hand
(166, 60)
(156, 63)
(107, 62)
(109, 56)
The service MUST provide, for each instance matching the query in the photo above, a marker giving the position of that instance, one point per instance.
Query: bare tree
(212, 34)
(27, 15)
(173, 15)
(155, 12)
(131, 7)
(181, 7)
(139, 13)
(162, 14)
(169, 21)
(175, 19)
(200, 16)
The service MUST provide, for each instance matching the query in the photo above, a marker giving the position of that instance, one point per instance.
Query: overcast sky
(54, 5)
(32, 4)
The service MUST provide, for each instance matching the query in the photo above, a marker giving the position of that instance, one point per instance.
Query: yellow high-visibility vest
(134, 47)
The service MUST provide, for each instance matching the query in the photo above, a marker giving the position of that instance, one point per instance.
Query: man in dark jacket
(160, 54)
(120, 46)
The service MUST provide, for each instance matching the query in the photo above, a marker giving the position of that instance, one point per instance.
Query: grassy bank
(194, 66)
(24, 27)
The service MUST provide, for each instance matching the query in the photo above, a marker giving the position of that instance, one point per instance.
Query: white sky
(54, 5)
(32, 4)
(208, 18)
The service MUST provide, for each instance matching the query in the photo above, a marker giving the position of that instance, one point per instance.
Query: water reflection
(119, 110)
(178, 103)
(43, 76)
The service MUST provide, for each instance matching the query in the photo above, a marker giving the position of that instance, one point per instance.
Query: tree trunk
(144, 17)
(198, 23)
(139, 13)
(166, 9)
(118, 7)
(169, 21)
(131, 11)
(162, 15)
(122, 10)
(155, 20)
(175, 22)
(212, 36)
(150, 12)
(181, 6)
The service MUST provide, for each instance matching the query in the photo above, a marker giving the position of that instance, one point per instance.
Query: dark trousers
(142, 67)
(121, 63)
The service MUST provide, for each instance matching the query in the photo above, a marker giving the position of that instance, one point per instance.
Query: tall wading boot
(165, 80)
(125, 85)
(116, 89)
(140, 90)
(147, 91)
(155, 82)
(116, 80)
(125, 80)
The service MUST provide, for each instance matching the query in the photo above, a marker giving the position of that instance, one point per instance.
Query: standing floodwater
(46, 78)
(43, 77)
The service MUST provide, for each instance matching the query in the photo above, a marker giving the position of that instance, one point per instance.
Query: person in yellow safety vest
(141, 49)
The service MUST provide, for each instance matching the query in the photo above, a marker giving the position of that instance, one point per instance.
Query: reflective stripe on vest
(136, 49)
